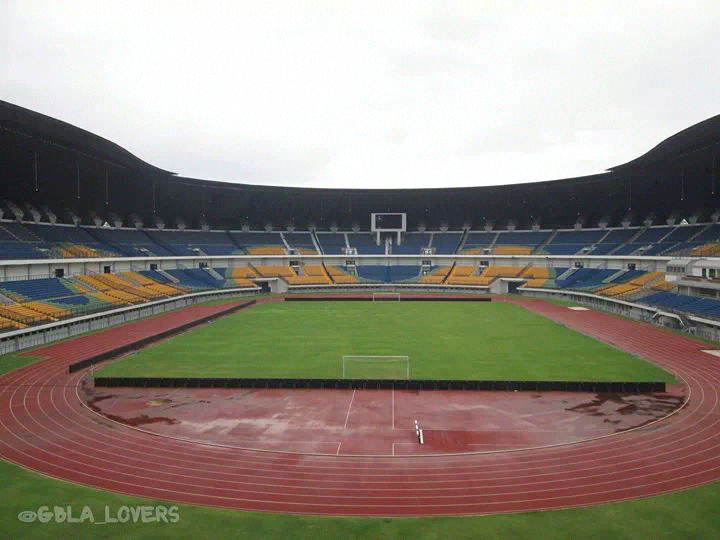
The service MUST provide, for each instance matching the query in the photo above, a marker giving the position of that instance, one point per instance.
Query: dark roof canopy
(46, 162)
(33, 125)
(696, 138)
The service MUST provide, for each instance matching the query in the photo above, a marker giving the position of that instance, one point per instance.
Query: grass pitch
(444, 340)
(686, 514)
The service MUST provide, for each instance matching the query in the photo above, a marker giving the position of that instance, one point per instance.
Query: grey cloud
(351, 95)
(429, 62)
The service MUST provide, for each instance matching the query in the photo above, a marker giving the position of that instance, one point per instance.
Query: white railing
(707, 328)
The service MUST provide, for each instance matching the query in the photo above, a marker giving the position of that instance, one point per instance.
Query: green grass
(444, 340)
(687, 514)
(9, 362)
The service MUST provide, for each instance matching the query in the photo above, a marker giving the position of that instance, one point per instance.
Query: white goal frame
(376, 360)
(377, 295)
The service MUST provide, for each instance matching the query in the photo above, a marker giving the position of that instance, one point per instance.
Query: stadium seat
(377, 273)
(519, 242)
(436, 276)
(340, 276)
(365, 244)
(512, 250)
(466, 275)
(310, 275)
(301, 242)
(269, 271)
(259, 243)
(446, 243)
(412, 244)
(476, 242)
(331, 243)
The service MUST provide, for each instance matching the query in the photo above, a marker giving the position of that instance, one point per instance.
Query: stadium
(273, 356)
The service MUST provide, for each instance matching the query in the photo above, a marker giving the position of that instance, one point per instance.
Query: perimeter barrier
(597, 387)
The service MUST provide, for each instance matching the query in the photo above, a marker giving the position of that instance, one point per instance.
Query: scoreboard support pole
(388, 223)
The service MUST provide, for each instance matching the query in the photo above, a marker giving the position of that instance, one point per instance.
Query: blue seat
(331, 243)
(365, 244)
(37, 289)
(404, 272)
(446, 243)
(374, 273)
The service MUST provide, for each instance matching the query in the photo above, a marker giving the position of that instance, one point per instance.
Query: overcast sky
(368, 94)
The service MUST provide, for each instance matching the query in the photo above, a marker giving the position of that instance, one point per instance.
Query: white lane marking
(349, 407)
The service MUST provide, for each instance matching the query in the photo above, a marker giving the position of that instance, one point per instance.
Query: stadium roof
(33, 125)
(700, 136)
(46, 162)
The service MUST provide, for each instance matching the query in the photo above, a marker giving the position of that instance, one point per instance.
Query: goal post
(385, 296)
(376, 367)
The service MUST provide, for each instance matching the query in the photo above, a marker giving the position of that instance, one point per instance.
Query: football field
(443, 340)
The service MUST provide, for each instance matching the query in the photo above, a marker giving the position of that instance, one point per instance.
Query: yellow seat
(468, 280)
(9, 324)
(437, 276)
(314, 270)
(707, 250)
(501, 271)
(512, 250)
(344, 280)
(619, 289)
(536, 272)
(663, 286)
(22, 314)
(534, 282)
(267, 250)
(646, 278)
(243, 272)
(275, 271)
(340, 276)
(243, 282)
(48, 309)
(308, 280)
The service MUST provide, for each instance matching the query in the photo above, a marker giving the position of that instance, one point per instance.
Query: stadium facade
(91, 235)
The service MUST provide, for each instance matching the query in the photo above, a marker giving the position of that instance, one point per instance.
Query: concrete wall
(13, 270)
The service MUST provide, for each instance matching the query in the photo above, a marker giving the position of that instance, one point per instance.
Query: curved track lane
(44, 426)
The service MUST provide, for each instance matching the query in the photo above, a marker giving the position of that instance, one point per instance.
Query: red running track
(46, 427)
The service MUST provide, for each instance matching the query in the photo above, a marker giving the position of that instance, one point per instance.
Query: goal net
(376, 367)
(385, 296)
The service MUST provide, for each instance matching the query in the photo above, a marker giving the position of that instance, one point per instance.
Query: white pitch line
(338, 450)
(349, 407)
